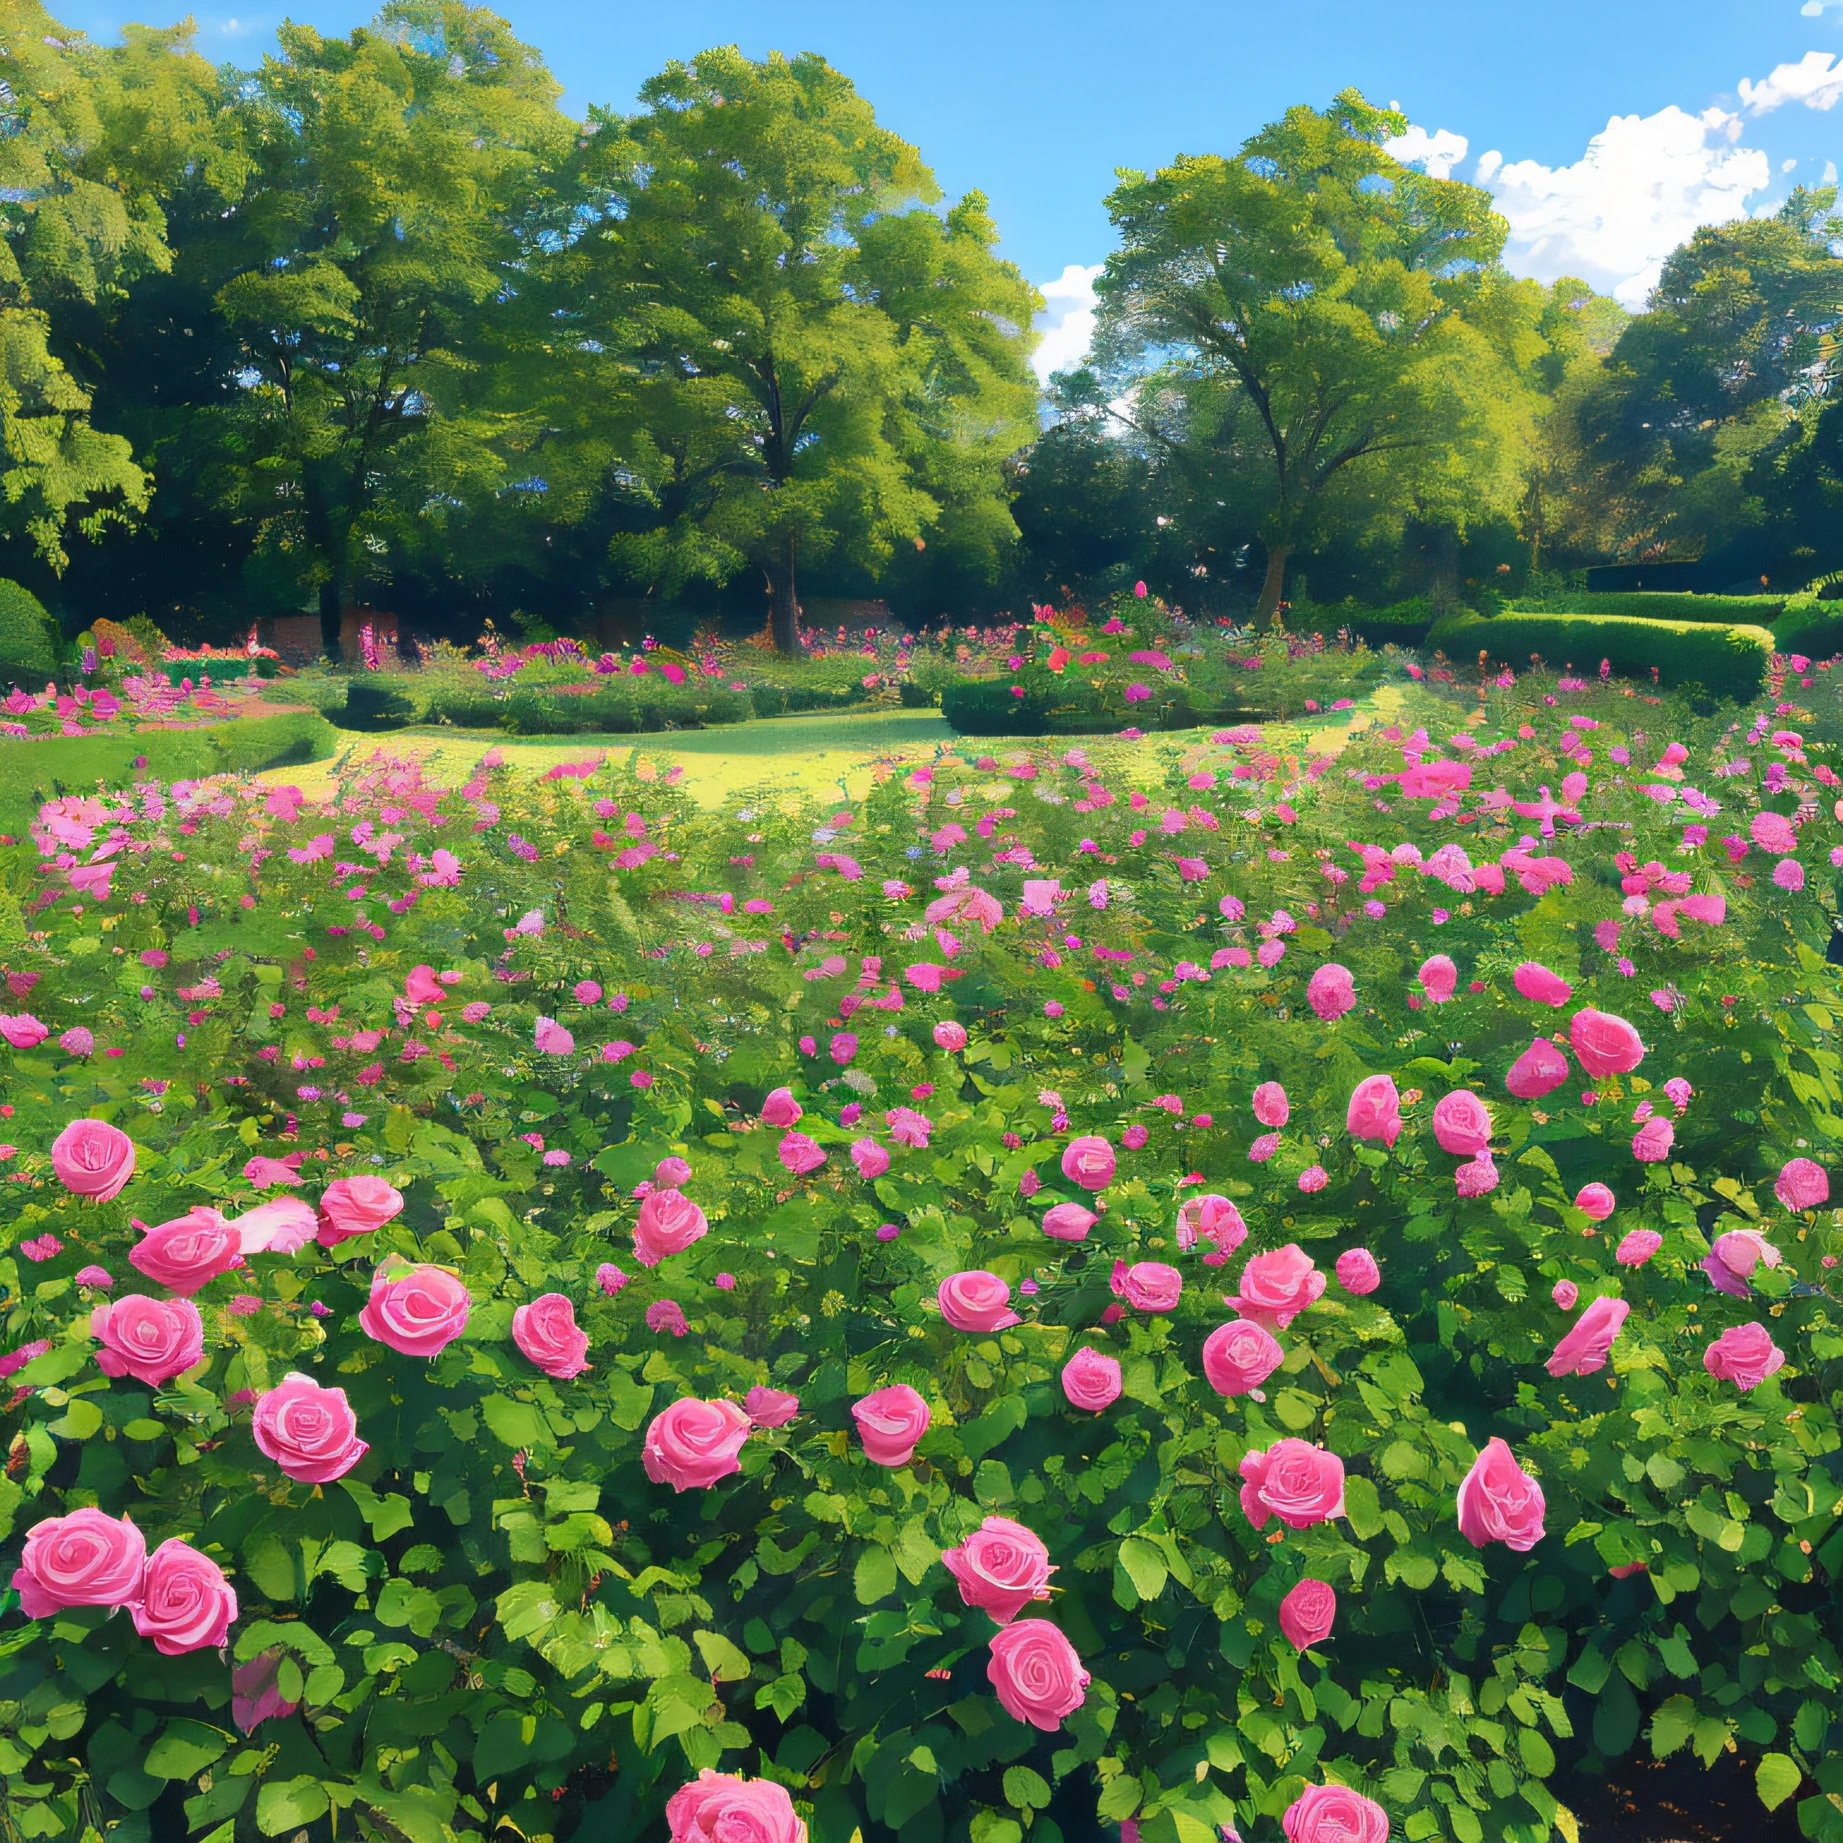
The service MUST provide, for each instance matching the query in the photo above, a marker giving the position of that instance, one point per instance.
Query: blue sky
(1616, 125)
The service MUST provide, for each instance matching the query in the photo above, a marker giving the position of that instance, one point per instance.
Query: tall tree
(1721, 380)
(772, 349)
(392, 177)
(85, 140)
(1312, 323)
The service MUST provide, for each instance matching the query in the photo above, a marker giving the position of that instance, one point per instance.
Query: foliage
(499, 1616)
(1725, 610)
(1311, 324)
(29, 638)
(1725, 661)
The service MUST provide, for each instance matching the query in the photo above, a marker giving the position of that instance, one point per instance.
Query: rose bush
(580, 1421)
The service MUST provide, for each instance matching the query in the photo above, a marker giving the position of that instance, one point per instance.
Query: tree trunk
(1273, 587)
(331, 614)
(784, 609)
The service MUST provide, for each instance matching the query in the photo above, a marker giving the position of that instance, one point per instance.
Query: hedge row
(33, 771)
(1726, 661)
(621, 707)
(1716, 610)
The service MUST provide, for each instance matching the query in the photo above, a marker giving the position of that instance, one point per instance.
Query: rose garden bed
(1247, 1294)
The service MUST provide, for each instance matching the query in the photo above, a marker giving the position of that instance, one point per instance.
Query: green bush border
(1727, 661)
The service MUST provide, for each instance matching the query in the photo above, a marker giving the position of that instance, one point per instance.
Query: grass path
(823, 754)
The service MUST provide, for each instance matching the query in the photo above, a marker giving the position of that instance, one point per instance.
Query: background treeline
(376, 323)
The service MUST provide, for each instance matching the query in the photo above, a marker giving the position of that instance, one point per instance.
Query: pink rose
(1477, 1177)
(1036, 1673)
(870, 1158)
(843, 1047)
(1264, 1148)
(21, 1030)
(1091, 1380)
(610, 1278)
(1604, 1044)
(723, 1808)
(1334, 1814)
(976, 1301)
(1375, 1110)
(1731, 1261)
(692, 1443)
(1296, 1482)
(1212, 1219)
(669, 1223)
(767, 1407)
(1773, 832)
(1595, 1202)
(1331, 991)
(1564, 1293)
(284, 1225)
(1584, 1348)
(1001, 1567)
(1802, 1184)
(547, 1332)
(356, 1206)
(1744, 1355)
(93, 1159)
(1540, 986)
(152, 1340)
(950, 1036)
(188, 1252)
(1357, 1271)
(255, 1693)
(1239, 1356)
(1638, 1247)
(1148, 1286)
(550, 1038)
(799, 1154)
(1500, 1502)
(671, 1173)
(781, 1109)
(891, 1423)
(1462, 1123)
(1438, 977)
(1135, 1137)
(1277, 1286)
(84, 1559)
(418, 1311)
(310, 1432)
(186, 1604)
(1068, 1222)
(1307, 1614)
(1271, 1106)
(1652, 1142)
(1089, 1162)
(1540, 1070)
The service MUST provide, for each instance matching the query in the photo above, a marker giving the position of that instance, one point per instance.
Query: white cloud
(1816, 80)
(1067, 320)
(1644, 185)
(1436, 154)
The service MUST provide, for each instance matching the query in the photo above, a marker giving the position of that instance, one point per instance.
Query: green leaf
(386, 1515)
(1026, 1790)
(1615, 1718)
(184, 1749)
(874, 1576)
(81, 1419)
(514, 1423)
(1777, 1778)
(1119, 1798)
(290, 1804)
(1362, 1506)
(1672, 1726)
(722, 1659)
(1144, 1563)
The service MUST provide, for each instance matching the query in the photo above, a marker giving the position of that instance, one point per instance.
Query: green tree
(86, 135)
(1311, 328)
(769, 349)
(1722, 381)
(392, 176)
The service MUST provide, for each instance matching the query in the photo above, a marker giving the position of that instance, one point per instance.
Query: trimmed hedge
(37, 770)
(30, 642)
(986, 707)
(1726, 662)
(1722, 610)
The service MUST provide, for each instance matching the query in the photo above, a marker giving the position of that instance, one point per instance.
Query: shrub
(30, 641)
(539, 1602)
(1723, 610)
(1727, 661)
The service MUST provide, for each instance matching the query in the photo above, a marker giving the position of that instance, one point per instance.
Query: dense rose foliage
(687, 1384)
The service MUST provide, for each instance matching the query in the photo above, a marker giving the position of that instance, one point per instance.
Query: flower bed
(1242, 1294)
